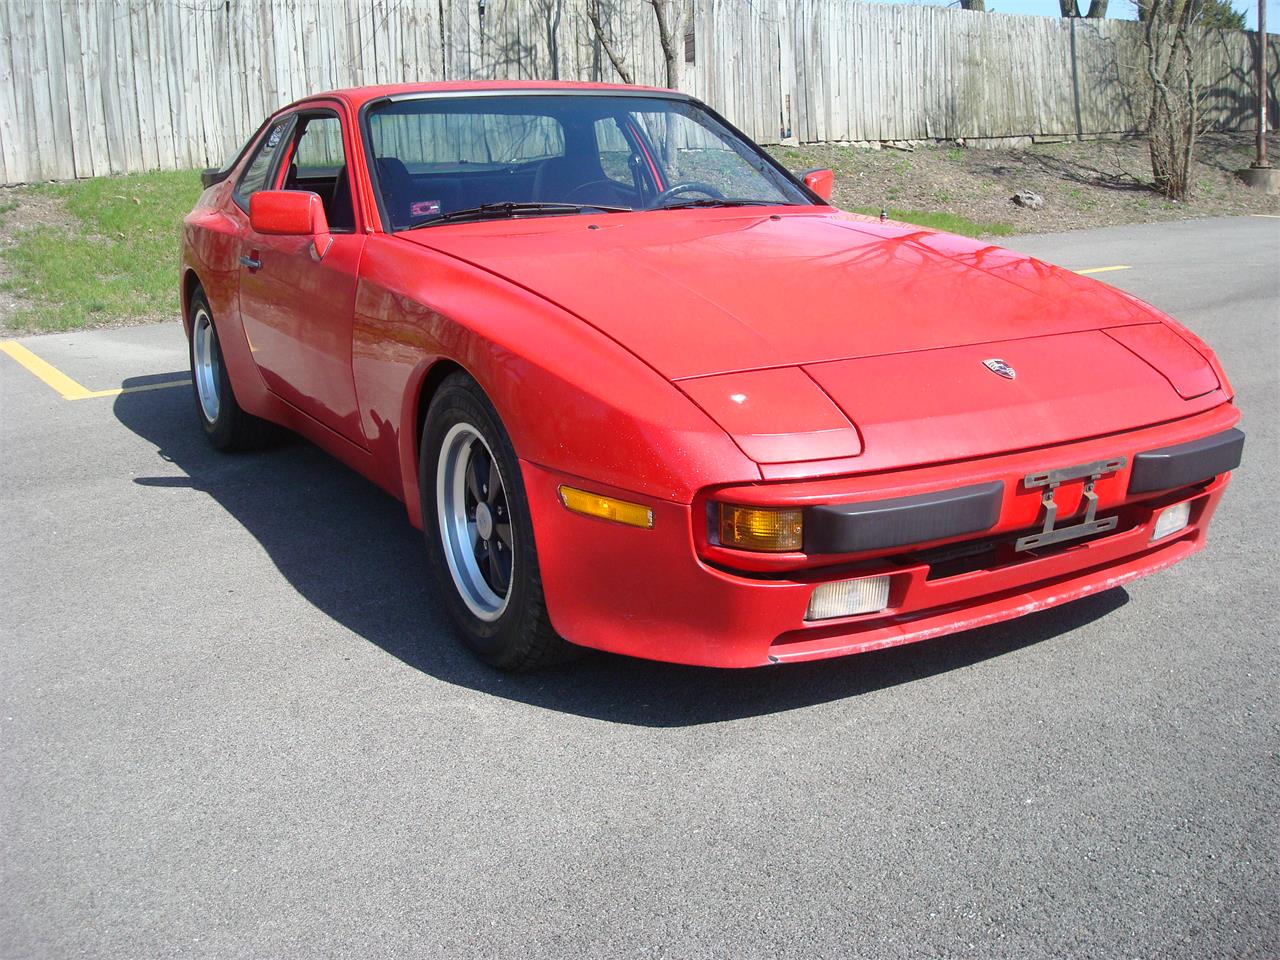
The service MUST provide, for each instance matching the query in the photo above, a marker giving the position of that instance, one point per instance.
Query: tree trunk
(669, 15)
(1068, 8)
(1097, 10)
(978, 6)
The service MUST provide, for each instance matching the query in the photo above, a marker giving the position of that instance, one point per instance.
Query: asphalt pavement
(234, 722)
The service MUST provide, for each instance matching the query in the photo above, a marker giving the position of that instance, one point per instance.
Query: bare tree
(669, 16)
(1071, 8)
(1167, 79)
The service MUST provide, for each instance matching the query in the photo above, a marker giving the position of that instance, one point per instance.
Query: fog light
(761, 528)
(845, 598)
(1171, 520)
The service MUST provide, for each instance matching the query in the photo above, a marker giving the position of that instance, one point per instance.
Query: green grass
(116, 258)
(948, 222)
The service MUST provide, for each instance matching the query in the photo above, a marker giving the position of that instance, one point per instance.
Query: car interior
(575, 176)
(332, 186)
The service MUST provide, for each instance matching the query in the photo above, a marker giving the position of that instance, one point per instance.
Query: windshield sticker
(424, 208)
(275, 135)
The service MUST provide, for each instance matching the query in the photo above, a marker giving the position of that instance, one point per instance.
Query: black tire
(226, 425)
(518, 636)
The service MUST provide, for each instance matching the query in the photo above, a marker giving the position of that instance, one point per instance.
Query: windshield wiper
(511, 209)
(719, 202)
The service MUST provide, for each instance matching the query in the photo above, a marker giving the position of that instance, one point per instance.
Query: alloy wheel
(475, 522)
(206, 365)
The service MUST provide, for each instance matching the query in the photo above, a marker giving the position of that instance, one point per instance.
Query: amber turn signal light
(606, 508)
(767, 529)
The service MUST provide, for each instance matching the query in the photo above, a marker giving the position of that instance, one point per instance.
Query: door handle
(251, 262)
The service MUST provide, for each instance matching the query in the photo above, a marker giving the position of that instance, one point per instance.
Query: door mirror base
(820, 180)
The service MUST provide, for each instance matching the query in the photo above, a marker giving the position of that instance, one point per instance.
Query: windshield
(447, 159)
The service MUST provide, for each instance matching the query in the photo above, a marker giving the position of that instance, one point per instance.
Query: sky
(1122, 9)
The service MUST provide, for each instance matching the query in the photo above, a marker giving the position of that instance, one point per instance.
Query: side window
(319, 165)
(689, 150)
(258, 172)
(320, 150)
(616, 157)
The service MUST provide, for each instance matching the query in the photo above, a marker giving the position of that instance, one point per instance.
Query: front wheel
(478, 532)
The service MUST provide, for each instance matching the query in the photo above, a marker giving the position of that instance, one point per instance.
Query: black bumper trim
(900, 521)
(1186, 463)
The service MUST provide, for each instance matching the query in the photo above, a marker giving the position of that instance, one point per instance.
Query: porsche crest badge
(1000, 368)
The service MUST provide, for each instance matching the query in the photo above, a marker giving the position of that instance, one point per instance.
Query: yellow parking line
(1103, 269)
(1266, 216)
(69, 389)
(50, 374)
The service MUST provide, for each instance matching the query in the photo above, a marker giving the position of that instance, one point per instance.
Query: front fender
(571, 399)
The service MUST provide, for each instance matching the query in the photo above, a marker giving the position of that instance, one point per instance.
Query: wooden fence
(89, 87)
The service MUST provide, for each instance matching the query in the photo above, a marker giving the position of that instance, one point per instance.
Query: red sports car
(646, 391)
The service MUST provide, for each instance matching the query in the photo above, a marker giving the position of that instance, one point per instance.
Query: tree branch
(616, 58)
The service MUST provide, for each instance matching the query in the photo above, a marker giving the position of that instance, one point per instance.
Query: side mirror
(820, 181)
(291, 213)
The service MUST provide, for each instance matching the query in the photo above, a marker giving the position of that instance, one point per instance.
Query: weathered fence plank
(95, 86)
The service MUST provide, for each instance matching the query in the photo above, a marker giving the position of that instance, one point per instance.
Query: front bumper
(664, 593)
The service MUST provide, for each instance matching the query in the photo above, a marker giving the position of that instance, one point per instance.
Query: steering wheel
(693, 186)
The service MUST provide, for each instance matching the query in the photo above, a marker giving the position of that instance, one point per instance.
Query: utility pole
(1260, 174)
(1262, 85)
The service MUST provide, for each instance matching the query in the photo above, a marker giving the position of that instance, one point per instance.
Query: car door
(298, 306)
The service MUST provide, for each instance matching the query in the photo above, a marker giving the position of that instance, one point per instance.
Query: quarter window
(257, 175)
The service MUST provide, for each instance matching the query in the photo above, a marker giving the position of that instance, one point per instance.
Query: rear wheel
(226, 425)
(479, 535)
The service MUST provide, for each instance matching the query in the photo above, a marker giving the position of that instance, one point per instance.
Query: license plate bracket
(1050, 480)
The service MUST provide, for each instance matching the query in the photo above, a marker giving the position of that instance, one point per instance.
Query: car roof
(358, 96)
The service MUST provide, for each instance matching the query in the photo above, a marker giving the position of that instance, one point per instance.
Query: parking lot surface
(234, 722)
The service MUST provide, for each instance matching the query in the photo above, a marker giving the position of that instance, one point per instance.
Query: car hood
(694, 293)
(872, 314)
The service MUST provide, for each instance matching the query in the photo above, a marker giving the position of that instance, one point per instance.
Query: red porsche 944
(644, 390)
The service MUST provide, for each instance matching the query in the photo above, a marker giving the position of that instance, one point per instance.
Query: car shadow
(349, 550)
